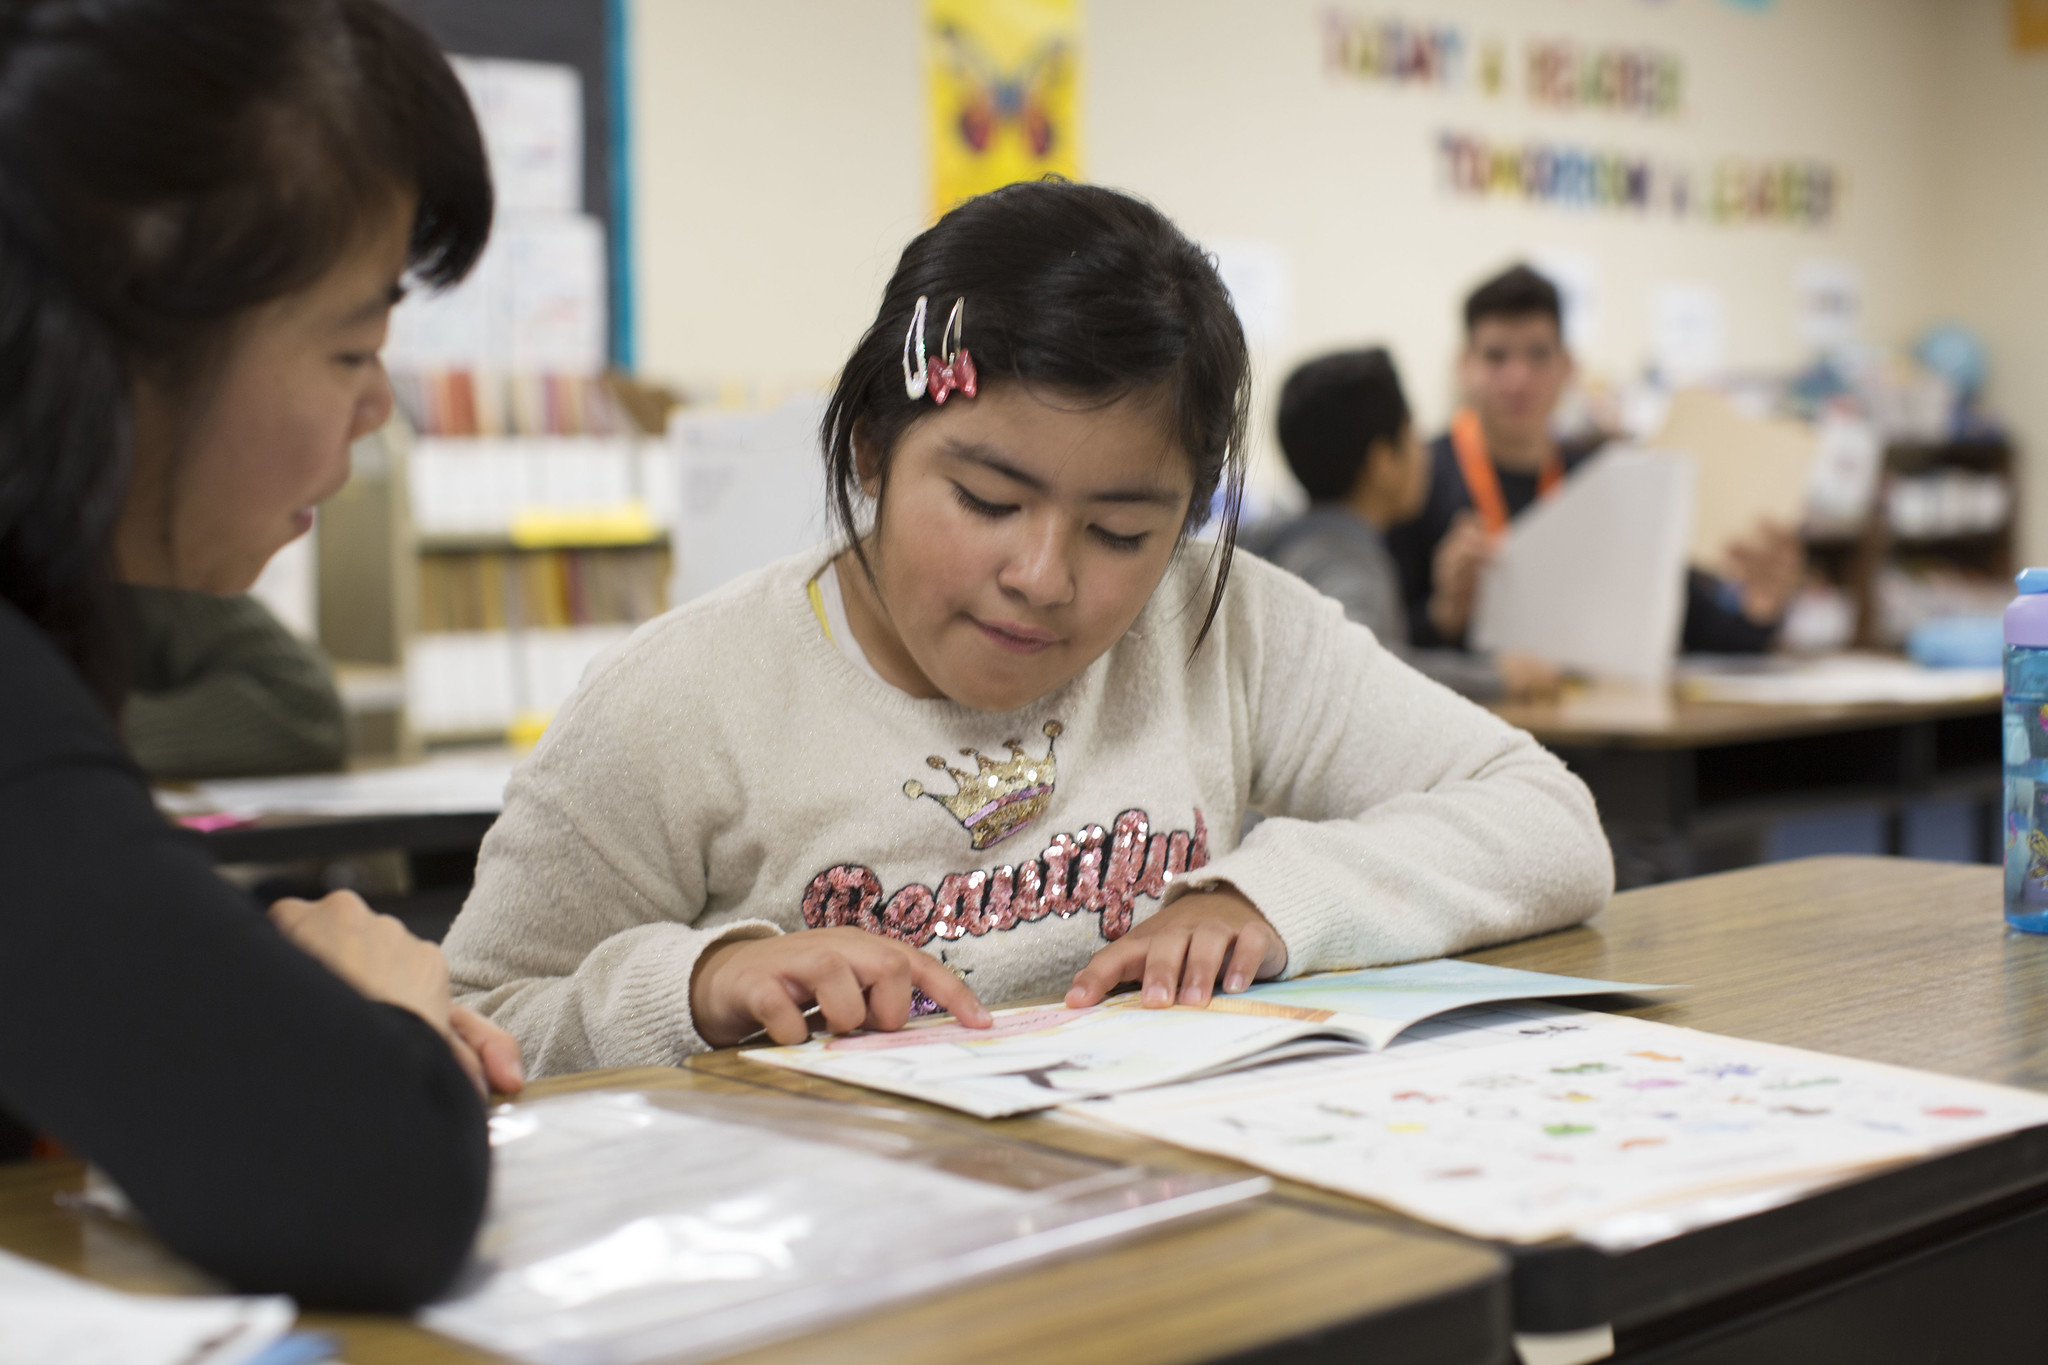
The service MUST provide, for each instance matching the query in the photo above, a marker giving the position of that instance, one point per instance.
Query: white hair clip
(915, 380)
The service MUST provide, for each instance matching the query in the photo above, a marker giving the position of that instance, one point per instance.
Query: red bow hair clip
(936, 376)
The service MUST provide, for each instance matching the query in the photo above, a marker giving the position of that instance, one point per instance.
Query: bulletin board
(589, 36)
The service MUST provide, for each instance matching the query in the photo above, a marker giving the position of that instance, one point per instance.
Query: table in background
(431, 814)
(1677, 779)
(1271, 1280)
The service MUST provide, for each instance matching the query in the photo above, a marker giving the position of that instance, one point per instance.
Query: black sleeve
(1715, 625)
(270, 1124)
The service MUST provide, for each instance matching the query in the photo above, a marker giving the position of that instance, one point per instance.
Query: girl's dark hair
(1074, 288)
(1332, 411)
(165, 166)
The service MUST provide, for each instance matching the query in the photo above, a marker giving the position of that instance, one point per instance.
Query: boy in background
(1501, 455)
(1348, 436)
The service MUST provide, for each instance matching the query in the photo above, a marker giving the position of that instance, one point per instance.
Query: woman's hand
(1182, 950)
(857, 979)
(380, 958)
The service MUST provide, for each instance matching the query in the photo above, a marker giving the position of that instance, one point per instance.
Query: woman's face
(1018, 538)
(218, 491)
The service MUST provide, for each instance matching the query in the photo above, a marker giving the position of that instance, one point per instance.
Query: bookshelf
(1937, 539)
(497, 536)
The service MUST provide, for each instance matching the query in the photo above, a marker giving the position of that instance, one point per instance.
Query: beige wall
(780, 165)
(1989, 191)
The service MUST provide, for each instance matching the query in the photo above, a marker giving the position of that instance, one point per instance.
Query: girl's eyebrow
(368, 310)
(973, 452)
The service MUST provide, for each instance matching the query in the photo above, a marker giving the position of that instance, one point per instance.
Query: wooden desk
(1271, 1280)
(1676, 778)
(1885, 959)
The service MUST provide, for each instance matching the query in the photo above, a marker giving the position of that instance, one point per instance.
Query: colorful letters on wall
(1630, 80)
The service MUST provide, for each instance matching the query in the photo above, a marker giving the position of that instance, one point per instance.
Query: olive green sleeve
(222, 689)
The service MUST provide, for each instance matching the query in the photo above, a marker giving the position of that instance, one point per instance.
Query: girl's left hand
(1182, 950)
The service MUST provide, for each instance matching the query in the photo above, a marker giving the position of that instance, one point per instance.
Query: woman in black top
(206, 207)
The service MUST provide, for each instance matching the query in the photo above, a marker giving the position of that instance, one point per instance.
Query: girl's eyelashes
(980, 508)
(1121, 544)
(355, 360)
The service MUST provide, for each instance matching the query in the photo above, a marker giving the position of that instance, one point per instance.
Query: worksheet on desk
(1524, 1136)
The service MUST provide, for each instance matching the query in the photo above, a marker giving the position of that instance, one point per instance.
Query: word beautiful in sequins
(1098, 871)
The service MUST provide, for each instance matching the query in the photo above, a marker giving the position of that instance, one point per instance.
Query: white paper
(1688, 333)
(535, 303)
(1830, 295)
(1593, 579)
(1260, 279)
(450, 784)
(552, 273)
(1577, 277)
(52, 1318)
(1840, 680)
(750, 489)
(531, 114)
(1040, 1056)
(1552, 1136)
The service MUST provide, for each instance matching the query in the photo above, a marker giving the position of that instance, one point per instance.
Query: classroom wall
(1990, 191)
(780, 164)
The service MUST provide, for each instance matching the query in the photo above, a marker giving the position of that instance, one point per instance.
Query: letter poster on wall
(1004, 85)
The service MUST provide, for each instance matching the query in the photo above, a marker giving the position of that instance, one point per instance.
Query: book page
(1044, 1055)
(1570, 1130)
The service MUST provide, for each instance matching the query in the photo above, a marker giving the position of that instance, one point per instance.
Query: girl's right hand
(857, 979)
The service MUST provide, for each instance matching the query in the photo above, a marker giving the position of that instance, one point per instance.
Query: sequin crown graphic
(1003, 795)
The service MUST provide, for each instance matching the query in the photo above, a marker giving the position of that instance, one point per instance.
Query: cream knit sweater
(729, 773)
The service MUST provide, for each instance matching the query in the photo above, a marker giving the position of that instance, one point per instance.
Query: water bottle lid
(2032, 580)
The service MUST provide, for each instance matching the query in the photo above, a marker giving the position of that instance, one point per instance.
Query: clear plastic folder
(630, 1226)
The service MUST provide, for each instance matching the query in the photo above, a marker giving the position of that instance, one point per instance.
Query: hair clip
(957, 371)
(915, 380)
(951, 370)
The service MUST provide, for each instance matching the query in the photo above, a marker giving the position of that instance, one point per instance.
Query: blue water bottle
(2026, 754)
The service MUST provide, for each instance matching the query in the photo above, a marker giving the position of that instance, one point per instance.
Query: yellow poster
(2029, 25)
(1004, 82)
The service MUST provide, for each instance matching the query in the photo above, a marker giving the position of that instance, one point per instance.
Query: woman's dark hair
(1332, 411)
(165, 166)
(1517, 292)
(1073, 288)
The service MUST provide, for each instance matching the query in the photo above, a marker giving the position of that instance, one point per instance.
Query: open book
(1040, 1056)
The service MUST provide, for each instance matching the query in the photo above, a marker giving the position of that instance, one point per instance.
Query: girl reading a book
(999, 740)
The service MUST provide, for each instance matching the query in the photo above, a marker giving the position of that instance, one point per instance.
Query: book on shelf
(474, 682)
(539, 590)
